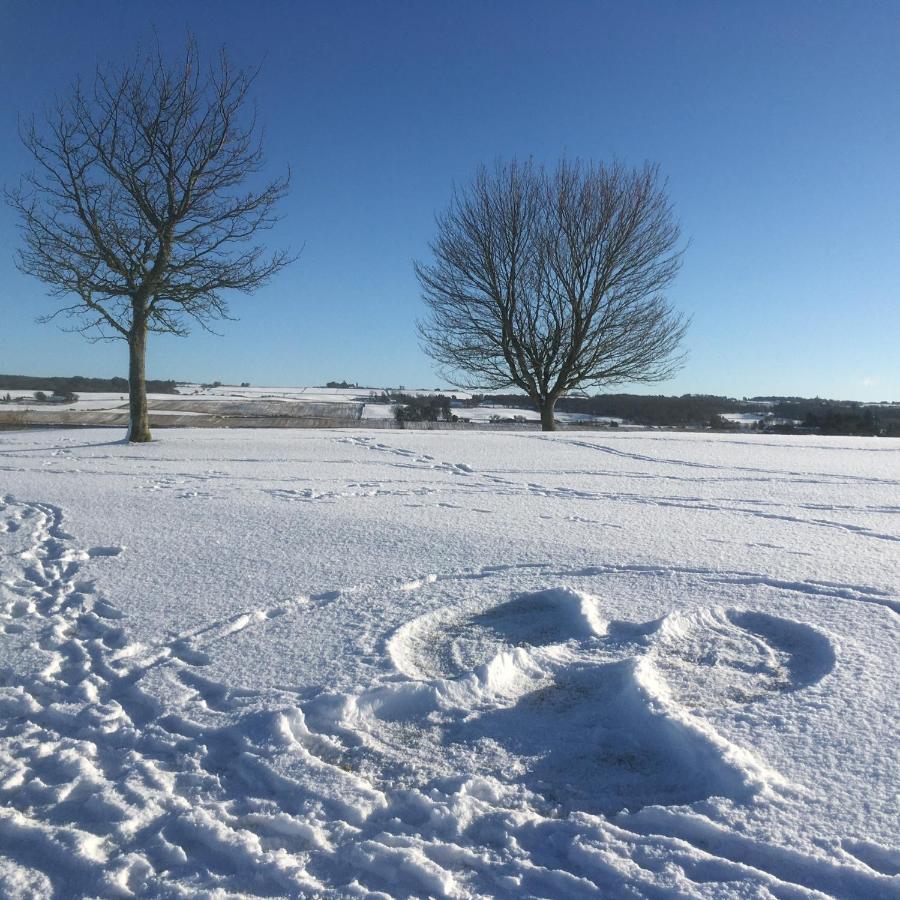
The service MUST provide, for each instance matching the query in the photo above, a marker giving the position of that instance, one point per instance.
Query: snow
(459, 664)
(378, 411)
(744, 418)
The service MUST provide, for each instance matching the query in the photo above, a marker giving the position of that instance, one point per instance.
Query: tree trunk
(139, 423)
(548, 423)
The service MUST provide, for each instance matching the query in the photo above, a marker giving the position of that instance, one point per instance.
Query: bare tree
(549, 281)
(144, 203)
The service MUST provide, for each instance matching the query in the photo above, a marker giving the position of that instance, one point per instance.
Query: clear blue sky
(777, 124)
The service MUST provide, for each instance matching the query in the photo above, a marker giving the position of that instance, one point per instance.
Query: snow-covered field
(338, 663)
(254, 398)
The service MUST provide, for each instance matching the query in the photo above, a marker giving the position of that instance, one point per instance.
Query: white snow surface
(448, 664)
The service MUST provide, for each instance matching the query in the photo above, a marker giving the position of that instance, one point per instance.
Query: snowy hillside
(340, 663)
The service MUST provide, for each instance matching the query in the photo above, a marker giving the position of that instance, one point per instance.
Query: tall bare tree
(550, 281)
(144, 203)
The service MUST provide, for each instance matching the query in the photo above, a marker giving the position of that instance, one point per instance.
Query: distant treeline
(840, 416)
(702, 410)
(78, 384)
(689, 410)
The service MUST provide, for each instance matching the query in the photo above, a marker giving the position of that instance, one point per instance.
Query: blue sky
(777, 125)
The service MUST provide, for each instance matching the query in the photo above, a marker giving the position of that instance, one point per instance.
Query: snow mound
(582, 717)
(718, 655)
(451, 641)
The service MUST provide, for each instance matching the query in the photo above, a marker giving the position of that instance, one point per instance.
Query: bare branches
(550, 281)
(142, 204)
(139, 202)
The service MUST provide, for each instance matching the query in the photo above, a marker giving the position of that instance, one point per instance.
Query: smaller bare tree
(143, 204)
(550, 281)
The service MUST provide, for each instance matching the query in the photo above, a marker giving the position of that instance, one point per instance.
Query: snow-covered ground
(462, 664)
(747, 420)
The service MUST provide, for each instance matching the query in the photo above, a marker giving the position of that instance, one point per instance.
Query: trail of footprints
(485, 483)
(473, 485)
(105, 791)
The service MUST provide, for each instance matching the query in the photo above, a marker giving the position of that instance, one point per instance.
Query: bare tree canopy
(549, 281)
(142, 207)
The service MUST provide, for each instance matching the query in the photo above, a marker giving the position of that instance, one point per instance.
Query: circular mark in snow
(452, 641)
(585, 710)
